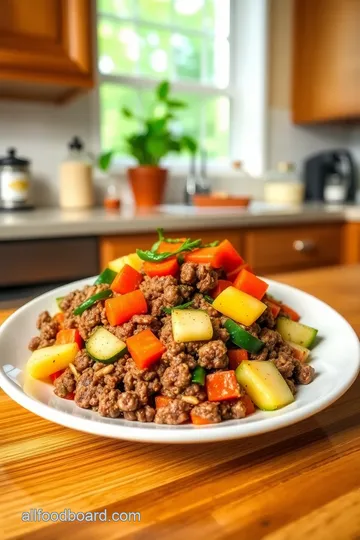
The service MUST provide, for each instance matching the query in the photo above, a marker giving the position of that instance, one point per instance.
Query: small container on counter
(76, 188)
(112, 199)
(283, 186)
(14, 181)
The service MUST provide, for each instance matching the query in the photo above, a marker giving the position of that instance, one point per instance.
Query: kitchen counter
(52, 222)
(295, 483)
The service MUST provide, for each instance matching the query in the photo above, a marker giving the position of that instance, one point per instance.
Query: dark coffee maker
(319, 168)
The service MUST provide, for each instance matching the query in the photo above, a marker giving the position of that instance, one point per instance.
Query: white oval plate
(335, 357)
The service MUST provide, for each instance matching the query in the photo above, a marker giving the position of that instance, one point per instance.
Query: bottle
(283, 186)
(75, 176)
(190, 185)
(203, 184)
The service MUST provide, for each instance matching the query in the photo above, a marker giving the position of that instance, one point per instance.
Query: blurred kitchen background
(251, 106)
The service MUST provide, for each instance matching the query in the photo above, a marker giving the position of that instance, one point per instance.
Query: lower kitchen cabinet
(294, 248)
(351, 244)
(267, 250)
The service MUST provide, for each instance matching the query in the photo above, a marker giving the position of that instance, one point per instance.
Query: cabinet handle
(304, 245)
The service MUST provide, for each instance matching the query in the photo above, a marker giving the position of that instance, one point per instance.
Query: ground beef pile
(122, 390)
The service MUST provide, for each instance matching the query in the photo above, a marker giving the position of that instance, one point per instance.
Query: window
(187, 42)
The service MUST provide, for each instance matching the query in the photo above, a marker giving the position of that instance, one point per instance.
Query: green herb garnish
(162, 238)
(208, 299)
(215, 243)
(152, 256)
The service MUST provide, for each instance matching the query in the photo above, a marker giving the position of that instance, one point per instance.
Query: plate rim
(230, 430)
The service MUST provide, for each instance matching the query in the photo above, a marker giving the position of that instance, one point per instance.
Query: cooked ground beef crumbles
(209, 410)
(175, 413)
(49, 328)
(65, 384)
(167, 391)
(213, 355)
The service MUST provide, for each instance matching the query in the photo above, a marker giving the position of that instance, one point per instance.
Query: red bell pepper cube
(162, 401)
(202, 256)
(251, 284)
(145, 348)
(199, 420)
(274, 308)
(294, 316)
(70, 335)
(70, 395)
(120, 309)
(247, 401)
(57, 374)
(127, 280)
(233, 275)
(227, 257)
(236, 356)
(169, 267)
(222, 385)
(222, 284)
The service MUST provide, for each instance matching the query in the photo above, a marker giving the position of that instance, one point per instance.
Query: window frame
(249, 30)
(143, 82)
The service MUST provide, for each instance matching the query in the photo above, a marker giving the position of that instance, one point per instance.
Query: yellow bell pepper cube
(43, 362)
(239, 306)
(132, 260)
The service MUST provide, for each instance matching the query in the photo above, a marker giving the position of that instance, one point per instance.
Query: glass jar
(283, 186)
(76, 178)
(14, 180)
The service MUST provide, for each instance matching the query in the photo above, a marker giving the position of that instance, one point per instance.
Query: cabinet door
(326, 60)
(294, 248)
(46, 41)
(351, 243)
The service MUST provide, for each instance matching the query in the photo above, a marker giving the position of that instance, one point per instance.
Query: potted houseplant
(154, 140)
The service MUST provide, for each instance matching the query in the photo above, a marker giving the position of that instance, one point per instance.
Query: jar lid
(12, 160)
(76, 144)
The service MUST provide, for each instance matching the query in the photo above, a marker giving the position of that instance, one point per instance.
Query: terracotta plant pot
(148, 185)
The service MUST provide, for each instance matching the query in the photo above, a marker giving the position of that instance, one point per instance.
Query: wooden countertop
(299, 482)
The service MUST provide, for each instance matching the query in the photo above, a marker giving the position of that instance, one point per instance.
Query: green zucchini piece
(106, 276)
(264, 384)
(242, 338)
(92, 300)
(104, 347)
(296, 332)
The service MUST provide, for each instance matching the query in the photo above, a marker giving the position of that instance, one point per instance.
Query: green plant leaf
(189, 143)
(162, 90)
(174, 145)
(157, 125)
(104, 160)
(127, 113)
(137, 147)
(157, 147)
(176, 103)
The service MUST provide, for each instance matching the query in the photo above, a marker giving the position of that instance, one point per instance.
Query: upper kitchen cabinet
(326, 61)
(45, 49)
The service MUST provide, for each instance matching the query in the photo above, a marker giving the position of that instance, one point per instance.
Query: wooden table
(301, 482)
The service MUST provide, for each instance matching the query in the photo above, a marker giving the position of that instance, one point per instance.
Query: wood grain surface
(301, 482)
